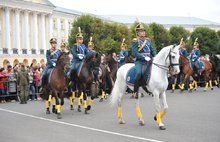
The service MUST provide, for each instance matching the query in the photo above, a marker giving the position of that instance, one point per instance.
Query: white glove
(54, 64)
(81, 56)
(147, 58)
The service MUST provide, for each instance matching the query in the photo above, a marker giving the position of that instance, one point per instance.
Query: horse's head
(93, 60)
(172, 59)
(64, 61)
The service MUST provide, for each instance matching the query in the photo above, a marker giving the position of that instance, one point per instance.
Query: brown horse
(188, 71)
(57, 83)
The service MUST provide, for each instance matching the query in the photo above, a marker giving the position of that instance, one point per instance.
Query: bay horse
(57, 83)
(188, 71)
(84, 80)
(167, 60)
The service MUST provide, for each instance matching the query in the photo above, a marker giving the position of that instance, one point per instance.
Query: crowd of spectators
(9, 89)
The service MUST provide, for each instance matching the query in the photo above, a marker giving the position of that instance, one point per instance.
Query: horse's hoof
(101, 100)
(155, 118)
(54, 110)
(47, 111)
(88, 107)
(132, 97)
(190, 90)
(172, 91)
(79, 109)
(59, 116)
(121, 121)
(86, 111)
(71, 107)
(212, 88)
(204, 90)
(141, 122)
(162, 128)
(194, 89)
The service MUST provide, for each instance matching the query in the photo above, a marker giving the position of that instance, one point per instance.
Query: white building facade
(26, 28)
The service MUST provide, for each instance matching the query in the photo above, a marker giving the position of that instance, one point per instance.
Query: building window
(24, 51)
(5, 50)
(41, 51)
(54, 24)
(15, 51)
(62, 25)
(33, 51)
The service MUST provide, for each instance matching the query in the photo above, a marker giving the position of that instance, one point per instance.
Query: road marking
(83, 127)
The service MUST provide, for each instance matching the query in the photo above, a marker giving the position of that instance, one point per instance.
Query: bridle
(171, 66)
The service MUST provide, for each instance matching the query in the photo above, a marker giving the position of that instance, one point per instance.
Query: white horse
(166, 61)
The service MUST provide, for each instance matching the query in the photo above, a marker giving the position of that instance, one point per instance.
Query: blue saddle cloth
(130, 77)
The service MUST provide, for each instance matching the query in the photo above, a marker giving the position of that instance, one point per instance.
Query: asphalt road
(191, 117)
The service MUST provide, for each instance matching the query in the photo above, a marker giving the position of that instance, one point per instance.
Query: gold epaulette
(135, 40)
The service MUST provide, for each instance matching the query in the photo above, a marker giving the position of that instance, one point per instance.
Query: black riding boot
(136, 86)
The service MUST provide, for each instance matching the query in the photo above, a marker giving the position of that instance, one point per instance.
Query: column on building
(66, 23)
(42, 32)
(35, 33)
(58, 31)
(17, 31)
(50, 20)
(7, 29)
(26, 32)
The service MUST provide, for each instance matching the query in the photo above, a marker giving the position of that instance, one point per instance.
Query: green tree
(207, 38)
(107, 36)
(161, 35)
(178, 32)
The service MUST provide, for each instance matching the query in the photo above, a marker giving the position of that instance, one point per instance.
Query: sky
(204, 9)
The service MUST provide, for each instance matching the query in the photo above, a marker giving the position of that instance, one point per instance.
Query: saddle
(145, 74)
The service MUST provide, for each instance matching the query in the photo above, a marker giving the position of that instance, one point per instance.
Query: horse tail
(116, 92)
(119, 86)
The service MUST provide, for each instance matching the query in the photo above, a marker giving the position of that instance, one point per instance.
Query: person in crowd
(23, 82)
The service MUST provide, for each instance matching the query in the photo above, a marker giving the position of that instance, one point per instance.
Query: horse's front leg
(59, 116)
(159, 113)
(138, 111)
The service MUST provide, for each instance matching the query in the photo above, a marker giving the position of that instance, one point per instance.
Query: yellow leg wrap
(158, 118)
(210, 83)
(207, 85)
(49, 99)
(216, 83)
(173, 86)
(47, 104)
(73, 95)
(195, 84)
(180, 86)
(53, 101)
(183, 85)
(103, 94)
(138, 111)
(79, 102)
(71, 100)
(85, 104)
(162, 114)
(81, 96)
(119, 112)
(91, 102)
(58, 108)
(190, 86)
